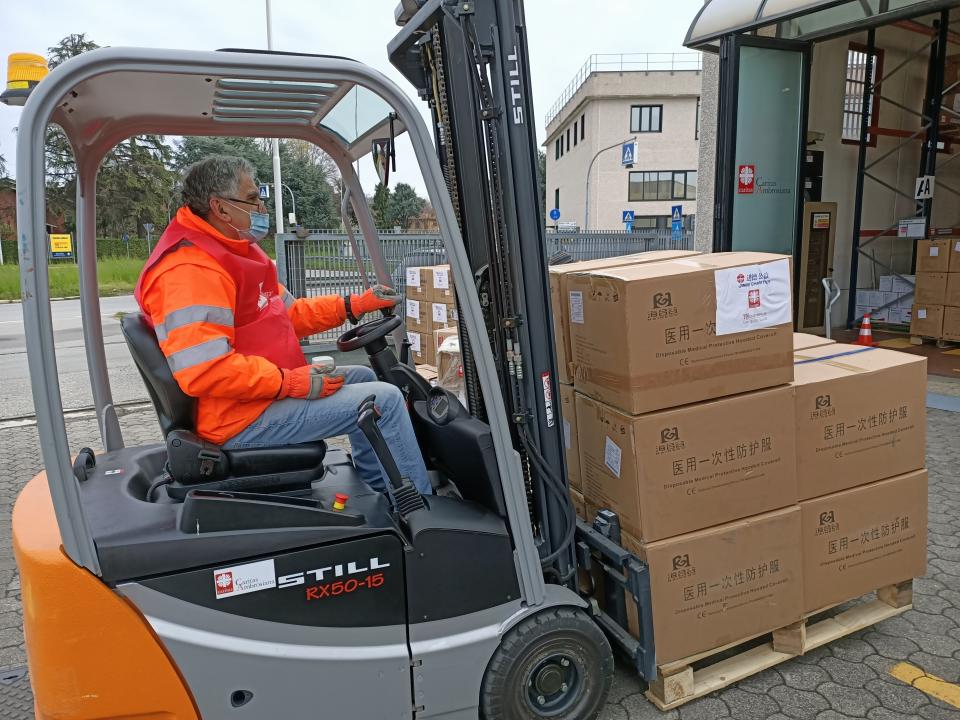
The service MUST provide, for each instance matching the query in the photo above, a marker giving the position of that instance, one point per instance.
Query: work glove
(378, 297)
(308, 383)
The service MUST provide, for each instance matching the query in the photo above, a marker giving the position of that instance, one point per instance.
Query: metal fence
(323, 263)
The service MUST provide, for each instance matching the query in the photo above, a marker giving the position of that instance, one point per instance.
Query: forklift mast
(469, 62)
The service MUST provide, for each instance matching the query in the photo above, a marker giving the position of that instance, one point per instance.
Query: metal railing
(323, 263)
(624, 62)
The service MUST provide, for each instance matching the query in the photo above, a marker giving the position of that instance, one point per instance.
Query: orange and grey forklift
(182, 580)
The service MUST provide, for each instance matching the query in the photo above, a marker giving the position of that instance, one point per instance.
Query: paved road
(15, 398)
(848, 679)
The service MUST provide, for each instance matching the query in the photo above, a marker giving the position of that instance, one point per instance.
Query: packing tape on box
(645, 381)
(827, 358)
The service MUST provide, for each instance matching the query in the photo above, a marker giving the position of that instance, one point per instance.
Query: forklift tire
(555, 664)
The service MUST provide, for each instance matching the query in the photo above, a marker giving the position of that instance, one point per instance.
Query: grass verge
(117, 276)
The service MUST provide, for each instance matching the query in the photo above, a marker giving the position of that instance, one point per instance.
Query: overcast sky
(562, 34)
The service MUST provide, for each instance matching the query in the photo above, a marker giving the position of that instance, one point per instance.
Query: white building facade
(651, 99)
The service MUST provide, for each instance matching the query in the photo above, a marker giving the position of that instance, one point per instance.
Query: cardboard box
(931, 288)
(652, 336)
(860, 415)
(417, 315)
(859, 540)
(417, 283)
(952, 295)
(954, 264)
(926, 320)
(951, 324)
(440, 284)
(443, 314)
(571, 439)
(802, 341)
(728, 583)
(886, 283)
(692, 467)
(904, 284)
(561, 307)
(933, 255)
(422, 349)
(428, 373)
(579, 504)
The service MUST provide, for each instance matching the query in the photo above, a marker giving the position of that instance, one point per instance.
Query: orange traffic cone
(866, 335)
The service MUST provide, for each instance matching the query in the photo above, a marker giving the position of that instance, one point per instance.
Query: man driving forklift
(230, 331)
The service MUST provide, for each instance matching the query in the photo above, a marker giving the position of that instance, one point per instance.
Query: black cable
(166, 479)
(554, 486)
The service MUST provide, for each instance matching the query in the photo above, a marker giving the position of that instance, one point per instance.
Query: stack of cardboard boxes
(429, 306)
(891, 302)
(747, 482)
(936, 308)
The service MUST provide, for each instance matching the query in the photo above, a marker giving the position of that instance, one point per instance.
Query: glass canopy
(798, 19)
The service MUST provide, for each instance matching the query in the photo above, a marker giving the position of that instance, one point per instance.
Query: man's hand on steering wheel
(377, 297)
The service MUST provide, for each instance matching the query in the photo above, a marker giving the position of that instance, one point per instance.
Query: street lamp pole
(278, 200)
(293, 201)
(586, 214)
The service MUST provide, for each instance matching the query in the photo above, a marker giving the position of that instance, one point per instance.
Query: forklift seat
(194, 463)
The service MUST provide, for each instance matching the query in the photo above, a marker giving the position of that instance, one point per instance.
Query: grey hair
(217, 175)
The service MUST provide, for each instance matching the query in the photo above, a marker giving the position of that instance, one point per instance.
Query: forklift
(182, 580)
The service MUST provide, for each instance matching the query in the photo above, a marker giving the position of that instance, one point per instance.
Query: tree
(404, 205)
(191, 149)
(542, 176)
(3, 166)
(380, 207)
(134, 182)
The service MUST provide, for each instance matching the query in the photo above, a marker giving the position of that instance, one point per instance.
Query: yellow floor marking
(895, 343)
(952, 352)
(929, 684)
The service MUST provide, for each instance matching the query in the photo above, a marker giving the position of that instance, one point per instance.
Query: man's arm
(315, 314)
(195, 327)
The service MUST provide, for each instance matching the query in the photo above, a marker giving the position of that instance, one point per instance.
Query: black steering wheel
(368, 333)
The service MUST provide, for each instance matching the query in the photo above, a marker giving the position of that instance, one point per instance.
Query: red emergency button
(340, 501)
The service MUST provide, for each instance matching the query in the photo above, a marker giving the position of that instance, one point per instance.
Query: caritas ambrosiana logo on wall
(746, 179)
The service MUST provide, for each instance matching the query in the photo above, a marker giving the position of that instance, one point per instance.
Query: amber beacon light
(24, 71)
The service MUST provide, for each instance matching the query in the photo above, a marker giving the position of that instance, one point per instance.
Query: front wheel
(555, 664)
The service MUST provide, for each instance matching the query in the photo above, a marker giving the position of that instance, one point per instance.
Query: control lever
(406, 499)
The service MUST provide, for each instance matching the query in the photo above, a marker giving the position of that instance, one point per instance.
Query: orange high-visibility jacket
(204, 325)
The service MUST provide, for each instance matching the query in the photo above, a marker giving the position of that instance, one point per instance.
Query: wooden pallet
(940, 342)
(679, 682)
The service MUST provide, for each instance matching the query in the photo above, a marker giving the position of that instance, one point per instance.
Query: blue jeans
(292, 420)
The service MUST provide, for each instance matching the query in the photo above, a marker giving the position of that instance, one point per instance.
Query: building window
(646, 221)
(646, 118)
(574, 133)
(556, 150)
(583, 121)
(568, 139)
(853, 93)
(662, 185)
(696, 121)
(556, 198)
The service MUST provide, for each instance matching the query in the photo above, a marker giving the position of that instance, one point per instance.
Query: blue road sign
(628, 227)
(264, 191)
(628, 216)
(628, 153)
(555, 214)
(677, 229)
(676, 213)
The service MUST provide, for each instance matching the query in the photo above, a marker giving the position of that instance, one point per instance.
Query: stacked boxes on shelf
(691, 397)
(936, 309)
(890, 302)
